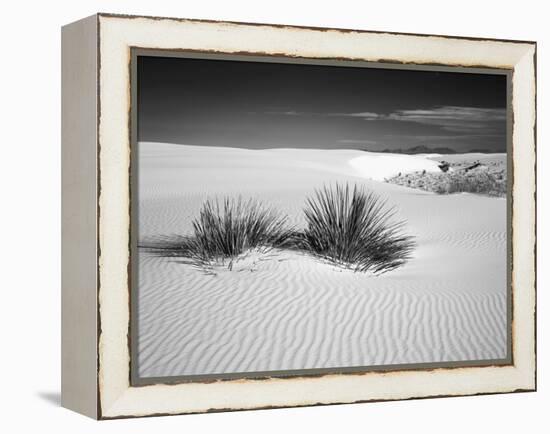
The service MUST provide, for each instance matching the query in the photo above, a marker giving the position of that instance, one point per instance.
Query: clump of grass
(350, 227)
(354, 228)
(226, 229)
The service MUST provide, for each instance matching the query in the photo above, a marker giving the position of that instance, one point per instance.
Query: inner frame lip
(133, 268)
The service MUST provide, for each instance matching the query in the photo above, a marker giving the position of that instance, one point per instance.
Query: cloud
(363, 115)
(479, 121)
(445, 116)
(289, 113)
(293, 113)
(359, 141)
(453, 118)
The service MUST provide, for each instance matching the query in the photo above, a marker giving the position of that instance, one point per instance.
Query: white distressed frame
(116, 35)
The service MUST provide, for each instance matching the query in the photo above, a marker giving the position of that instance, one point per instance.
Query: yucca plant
(347, 226)
(226, 229)
(355, 229)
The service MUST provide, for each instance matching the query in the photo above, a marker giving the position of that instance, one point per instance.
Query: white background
(30, 217)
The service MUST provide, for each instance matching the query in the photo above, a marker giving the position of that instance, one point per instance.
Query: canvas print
(298, 218)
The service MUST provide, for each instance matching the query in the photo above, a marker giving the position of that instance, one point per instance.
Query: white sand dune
(291, 311)
(381, 166)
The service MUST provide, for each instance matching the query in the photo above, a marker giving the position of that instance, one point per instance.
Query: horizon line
(382, 151)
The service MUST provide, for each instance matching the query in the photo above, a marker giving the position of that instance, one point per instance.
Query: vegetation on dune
(476, 181)
(226, 229)
(479, 182)
(347, 226)
(462, 176)
(354, 228)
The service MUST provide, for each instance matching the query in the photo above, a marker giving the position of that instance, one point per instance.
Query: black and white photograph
(302, 218)
(286, 217)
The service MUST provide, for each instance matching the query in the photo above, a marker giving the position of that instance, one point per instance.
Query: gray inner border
(133, 275)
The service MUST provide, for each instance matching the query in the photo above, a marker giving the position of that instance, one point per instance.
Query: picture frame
(99, 224)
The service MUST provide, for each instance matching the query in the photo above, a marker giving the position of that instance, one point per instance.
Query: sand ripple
(298, 313)
(295, 312)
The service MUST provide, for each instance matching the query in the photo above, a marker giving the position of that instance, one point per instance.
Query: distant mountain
(484, 151)
(421, 149)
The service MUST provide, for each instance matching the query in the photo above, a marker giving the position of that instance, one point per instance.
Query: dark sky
(265, 105)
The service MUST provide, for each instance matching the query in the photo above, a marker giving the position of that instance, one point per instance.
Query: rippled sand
(291, 311)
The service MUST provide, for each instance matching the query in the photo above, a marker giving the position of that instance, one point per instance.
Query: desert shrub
(476, 182)
(354, 228)
(485, 182)
(226, 229)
